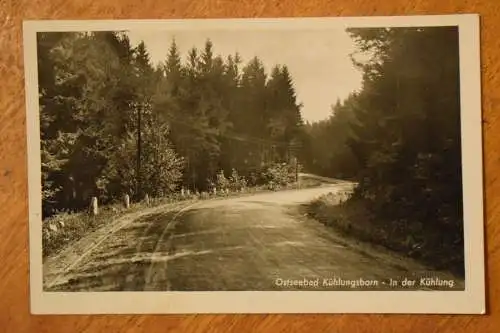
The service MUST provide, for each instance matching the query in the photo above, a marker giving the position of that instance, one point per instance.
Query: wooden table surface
(14, 300)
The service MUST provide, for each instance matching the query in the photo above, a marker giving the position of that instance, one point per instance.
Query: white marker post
(94, 206)
(126, 201)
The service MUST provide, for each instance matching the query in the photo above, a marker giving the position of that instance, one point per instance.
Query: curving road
(257, 242)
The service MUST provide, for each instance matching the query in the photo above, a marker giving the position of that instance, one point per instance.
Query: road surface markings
(126, 220)
(170, 225)
(150, 225)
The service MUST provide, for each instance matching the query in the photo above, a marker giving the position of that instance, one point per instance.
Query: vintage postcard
(298, 165)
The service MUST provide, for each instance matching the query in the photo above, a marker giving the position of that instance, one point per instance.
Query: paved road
(258, 242)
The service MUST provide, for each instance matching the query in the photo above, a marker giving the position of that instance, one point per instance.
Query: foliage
(237, 182)
(399, 136)
(279, 175)
(222, 183)
(113, 123)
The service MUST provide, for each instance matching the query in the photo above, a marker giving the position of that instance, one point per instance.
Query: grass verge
(64, 228)
(425, 244)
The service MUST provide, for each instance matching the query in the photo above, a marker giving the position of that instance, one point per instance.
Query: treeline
(112, 123)
(399, 136)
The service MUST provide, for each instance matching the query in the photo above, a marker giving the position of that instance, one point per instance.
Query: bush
(236, 181)
(279, 175)
(221, 182)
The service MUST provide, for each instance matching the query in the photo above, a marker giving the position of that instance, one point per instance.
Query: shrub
(279, 175)
(221, 181)
(236, 181)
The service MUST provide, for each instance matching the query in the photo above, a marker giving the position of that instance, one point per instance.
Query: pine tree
(249, 118)
(231, 102)
(407, 129)
(90, 89)
(284, 118)
(139, 128)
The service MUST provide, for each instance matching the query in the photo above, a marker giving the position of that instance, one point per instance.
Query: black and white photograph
(176, 166)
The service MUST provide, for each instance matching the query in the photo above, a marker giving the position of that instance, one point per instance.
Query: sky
(318, 61)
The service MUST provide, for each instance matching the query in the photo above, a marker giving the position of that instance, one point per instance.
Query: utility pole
(139, 153)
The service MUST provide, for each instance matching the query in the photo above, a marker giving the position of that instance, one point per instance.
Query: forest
(399, 137)
(113, 123)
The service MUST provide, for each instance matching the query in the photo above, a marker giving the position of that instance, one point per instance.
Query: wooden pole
(139, 151)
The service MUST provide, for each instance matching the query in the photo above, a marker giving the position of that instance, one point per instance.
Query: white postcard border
(471, 300)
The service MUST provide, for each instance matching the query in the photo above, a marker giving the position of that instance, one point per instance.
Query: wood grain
(14, 304)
